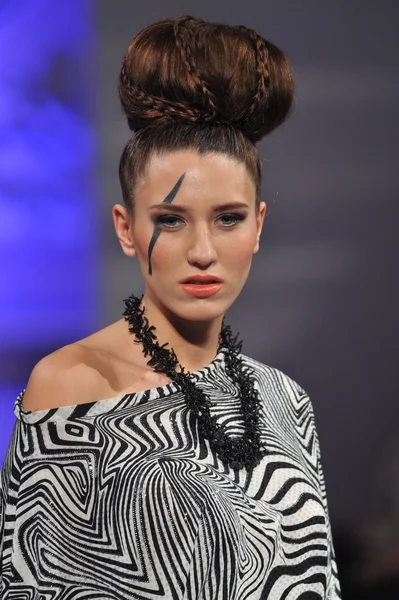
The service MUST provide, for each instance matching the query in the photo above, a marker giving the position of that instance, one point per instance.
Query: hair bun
(194, 71)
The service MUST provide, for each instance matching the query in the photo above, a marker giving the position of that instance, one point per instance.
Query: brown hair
(189, 83)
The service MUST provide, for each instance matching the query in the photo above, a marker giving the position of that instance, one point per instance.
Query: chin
(196, 309)
(202, 309)
(207, 314)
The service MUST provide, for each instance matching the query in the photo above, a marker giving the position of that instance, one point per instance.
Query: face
(193, 215)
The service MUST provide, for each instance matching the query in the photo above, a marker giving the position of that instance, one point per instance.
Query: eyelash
(162, 220)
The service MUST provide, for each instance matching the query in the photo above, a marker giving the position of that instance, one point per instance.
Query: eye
(168, 221)
(172, 221)
(232, 219)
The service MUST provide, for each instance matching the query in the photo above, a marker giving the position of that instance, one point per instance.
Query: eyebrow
(180, 208)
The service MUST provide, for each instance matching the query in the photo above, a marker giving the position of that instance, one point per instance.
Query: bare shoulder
(61, 378)
(100, 366)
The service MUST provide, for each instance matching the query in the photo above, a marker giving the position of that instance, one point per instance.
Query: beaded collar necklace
(237, 452)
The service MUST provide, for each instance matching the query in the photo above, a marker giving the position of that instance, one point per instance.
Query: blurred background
(320, 303)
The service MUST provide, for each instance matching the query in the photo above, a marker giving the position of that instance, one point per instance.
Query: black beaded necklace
(237, 452)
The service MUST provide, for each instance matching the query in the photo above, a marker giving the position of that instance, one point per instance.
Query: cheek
(240, 249)
(141, 242)
(167, 251)
(164, 255)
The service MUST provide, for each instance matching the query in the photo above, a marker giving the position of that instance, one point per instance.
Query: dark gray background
(321, 300)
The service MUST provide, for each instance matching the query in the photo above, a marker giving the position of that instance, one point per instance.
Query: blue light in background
(48, 216)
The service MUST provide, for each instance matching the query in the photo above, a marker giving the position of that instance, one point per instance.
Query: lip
(202, 279)
(201, 290)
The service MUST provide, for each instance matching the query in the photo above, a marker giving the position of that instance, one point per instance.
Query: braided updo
(189, 83)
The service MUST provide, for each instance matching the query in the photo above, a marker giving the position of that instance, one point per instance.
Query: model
(153, 459)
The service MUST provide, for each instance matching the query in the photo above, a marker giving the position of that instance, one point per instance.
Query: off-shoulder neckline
(106, 404)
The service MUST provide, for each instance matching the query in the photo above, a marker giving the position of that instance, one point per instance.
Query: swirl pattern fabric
(121, 499)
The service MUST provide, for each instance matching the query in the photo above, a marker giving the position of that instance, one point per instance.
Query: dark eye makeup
(170, 221)
(157, 229)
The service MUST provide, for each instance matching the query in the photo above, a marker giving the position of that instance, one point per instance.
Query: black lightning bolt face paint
(157, 229)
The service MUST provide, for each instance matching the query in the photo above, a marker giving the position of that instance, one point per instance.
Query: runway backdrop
(321, 301)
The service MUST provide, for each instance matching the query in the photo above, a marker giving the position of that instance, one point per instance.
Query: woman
(153, 458)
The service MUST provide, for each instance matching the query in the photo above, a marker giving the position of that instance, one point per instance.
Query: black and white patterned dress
(120, 499)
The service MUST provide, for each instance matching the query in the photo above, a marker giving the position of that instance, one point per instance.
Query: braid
(262, 61)
(156, 106)
(214, 76)
(187, 56)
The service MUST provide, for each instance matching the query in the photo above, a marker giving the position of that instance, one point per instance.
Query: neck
(194, 342)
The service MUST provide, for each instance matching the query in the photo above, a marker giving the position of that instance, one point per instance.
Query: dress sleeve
(333, 584)
(9, 486)
(2, 519)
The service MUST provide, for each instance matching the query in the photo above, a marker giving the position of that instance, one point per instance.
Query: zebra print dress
(121, 499)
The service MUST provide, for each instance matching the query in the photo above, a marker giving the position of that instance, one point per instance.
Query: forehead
(206, 177)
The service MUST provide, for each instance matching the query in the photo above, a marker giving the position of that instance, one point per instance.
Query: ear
(260, 217)
(123, 228)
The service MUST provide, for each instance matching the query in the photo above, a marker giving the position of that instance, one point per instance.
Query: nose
(201, 252)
